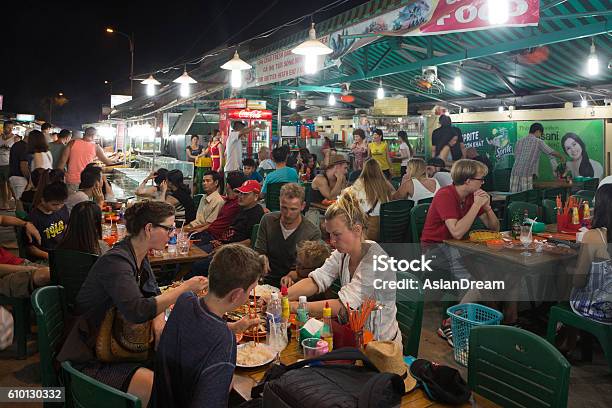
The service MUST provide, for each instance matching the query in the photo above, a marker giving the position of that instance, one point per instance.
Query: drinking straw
(531, 226)
(182, 225)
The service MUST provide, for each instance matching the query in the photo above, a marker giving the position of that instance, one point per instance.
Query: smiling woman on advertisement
(579, 164)
(353, 263)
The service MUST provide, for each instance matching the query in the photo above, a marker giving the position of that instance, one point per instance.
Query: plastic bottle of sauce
(327, 333)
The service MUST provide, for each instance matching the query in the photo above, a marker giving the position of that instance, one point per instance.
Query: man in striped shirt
(526, 159)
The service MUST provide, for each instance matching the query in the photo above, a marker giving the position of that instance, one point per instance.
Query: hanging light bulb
(458, 83)
(320, 119)
(236, 65)
(185, 80)
(332, 100)
(499, 11)
(292, 104)
(584, 103)
(151, 82)
(380, 93)
(593, 61)
(311, 49)
(500, 109)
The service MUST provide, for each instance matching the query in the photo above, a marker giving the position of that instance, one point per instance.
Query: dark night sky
(55, 46)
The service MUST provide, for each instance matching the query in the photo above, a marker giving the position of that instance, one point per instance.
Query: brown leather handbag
(120, 340)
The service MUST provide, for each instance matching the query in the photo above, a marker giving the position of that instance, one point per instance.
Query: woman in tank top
(416, 185)
(38, 147)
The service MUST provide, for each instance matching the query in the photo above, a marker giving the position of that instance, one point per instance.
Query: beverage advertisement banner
(494, 140)
(580, 142)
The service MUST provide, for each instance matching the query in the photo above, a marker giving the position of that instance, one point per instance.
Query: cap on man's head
(436, 161)
(249, 186)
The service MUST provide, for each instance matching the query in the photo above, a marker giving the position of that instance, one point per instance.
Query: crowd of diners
(195, 349)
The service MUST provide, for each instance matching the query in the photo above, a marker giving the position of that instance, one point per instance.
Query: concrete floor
(590, 383)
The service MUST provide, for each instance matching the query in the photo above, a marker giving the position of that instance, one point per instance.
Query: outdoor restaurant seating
(69, 269)
(563, 313)
(516, 368)
(410, 315)
(273, 196)
(21, 318)
(395, 220)
(517, 208)
(51, 312)
(418, 214)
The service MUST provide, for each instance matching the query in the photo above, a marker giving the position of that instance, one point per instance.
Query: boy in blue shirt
(282, 174)
(196, 356)
(249, 169)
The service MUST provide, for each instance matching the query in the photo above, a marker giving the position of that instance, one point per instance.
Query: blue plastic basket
(465, 316)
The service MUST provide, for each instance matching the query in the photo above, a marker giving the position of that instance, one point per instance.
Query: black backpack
(334, 385)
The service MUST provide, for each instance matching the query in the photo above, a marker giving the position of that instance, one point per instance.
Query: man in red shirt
(455, 208)
(451, 215)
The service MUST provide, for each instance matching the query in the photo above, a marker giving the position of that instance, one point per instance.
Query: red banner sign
(239, 103)
(250, 114)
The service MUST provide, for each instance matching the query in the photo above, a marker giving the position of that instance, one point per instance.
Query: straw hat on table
(388, 357)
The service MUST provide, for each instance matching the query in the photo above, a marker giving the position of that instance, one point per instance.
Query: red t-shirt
(446, 205)
(226, 217)
(7, 258)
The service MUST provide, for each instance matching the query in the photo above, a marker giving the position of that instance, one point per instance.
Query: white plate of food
(251, 355)
(265, 291)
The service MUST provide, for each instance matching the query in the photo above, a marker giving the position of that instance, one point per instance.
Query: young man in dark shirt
(196, 356)
(240, 230)
(50, 217)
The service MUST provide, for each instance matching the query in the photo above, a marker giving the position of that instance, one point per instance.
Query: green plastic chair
(21, 321)
(549, 212)
(418, 215)
(533, 197)
(196, 200)
(590, 184)
(273, 196)
(425, 200)
(564, 314)
(552, 193)
(586, 193)
(518, 207)
(516, 368)
(69, 269)
(409, 303)
(22, 215)
(395, 221)
(522, 197)
(501, 179)
(396, 182)
(83, 391)
(50, 308)
(254, 233)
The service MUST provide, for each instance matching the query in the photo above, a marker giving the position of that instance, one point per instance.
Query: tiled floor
(590, 383)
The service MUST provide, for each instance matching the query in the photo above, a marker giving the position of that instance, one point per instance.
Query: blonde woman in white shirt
(353, 263)
(372, 189)
(416, 185)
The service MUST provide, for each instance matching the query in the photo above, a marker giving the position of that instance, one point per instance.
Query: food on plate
(259, 331)
(484, 235)
(265, 291)
(253, 354)
(496, 244)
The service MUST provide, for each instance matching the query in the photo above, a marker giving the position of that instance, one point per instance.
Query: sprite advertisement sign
(495, 140)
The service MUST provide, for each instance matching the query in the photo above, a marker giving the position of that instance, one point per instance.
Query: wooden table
(245, 379)
(195, 254)
(512, 256)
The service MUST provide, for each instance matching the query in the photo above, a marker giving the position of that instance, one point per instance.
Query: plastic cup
(183, 247)
(314, 347)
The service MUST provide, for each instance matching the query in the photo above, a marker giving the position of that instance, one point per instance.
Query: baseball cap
(249, 186)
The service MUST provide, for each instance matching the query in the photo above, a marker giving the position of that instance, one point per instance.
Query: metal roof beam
(422, 50)
(480, 52)
(306, 88)
(381, 59)
(505, 81)
(475, 92)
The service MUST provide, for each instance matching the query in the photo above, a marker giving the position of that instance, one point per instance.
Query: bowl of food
(250, 355)
(496, 244)
(484, 235)
(111, 218)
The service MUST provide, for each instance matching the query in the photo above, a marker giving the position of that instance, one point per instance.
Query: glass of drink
(314, 347)
(526, 238)
(183, 247)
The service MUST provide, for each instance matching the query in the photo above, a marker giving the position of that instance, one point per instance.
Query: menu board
(391, 107)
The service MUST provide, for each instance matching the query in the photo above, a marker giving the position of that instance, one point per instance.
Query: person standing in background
(19, 170)
(216, 151)
(39, 149)
(265, 163)
(405, 150)
(57, 148)
(359, 148)
(46, 131)
(78, 154)
(194, 150)
(233, 152)
(379, 151)
(442, 136)
(527, 158)
(6, 142)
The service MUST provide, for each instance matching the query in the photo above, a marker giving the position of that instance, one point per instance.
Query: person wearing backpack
(353, 262)
(196, 356)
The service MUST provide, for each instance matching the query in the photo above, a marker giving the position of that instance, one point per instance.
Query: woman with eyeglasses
(123, 278)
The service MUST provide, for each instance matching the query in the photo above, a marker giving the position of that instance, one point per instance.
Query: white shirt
(233, 152)
(606, 180)
(286, 232)
(444, 178)
(267, 164)
(360, 193)
(404, 149)
(5, 148)
(420, 192)
(208, 210)
(361, 286)
(42, 160)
